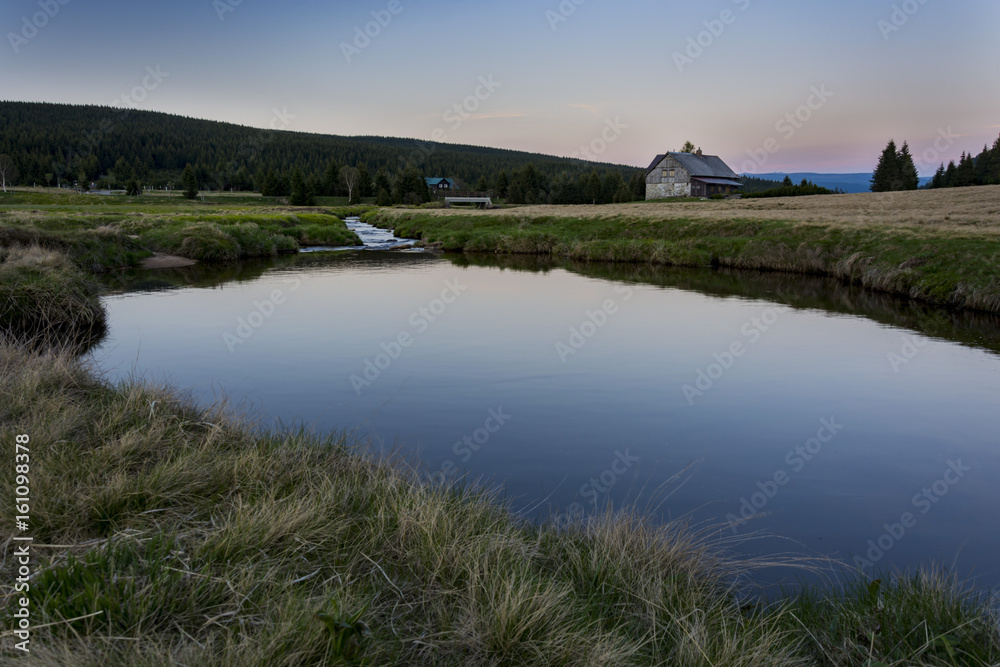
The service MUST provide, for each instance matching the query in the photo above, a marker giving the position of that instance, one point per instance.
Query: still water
(823, 420)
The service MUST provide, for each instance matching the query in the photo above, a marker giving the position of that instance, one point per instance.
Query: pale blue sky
(559, 76)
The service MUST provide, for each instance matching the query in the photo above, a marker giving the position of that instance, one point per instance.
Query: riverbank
(184, 535)
(939, 247)
(50, 255)
(166, 533)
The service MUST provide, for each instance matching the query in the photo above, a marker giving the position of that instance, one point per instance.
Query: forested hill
(56, 143)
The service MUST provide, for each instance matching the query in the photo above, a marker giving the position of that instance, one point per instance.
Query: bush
(254, 241)
(205, 243)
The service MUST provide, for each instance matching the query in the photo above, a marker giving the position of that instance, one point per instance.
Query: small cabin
(440, 183)
(690, 175)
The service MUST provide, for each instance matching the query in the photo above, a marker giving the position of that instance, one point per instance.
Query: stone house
(689, 175)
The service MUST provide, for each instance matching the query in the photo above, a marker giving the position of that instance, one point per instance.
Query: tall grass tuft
(46, 300)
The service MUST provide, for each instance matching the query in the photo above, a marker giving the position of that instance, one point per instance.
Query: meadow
(941, 247)
(168, 533)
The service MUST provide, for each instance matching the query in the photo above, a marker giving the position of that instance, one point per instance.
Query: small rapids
(373, 238)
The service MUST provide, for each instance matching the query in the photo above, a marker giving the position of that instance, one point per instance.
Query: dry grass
(938, 246)
(971, 210)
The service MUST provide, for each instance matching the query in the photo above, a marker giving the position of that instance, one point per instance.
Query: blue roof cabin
(440, 183)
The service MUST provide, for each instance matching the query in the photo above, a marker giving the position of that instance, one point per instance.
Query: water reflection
(809, 434)
(972, 328)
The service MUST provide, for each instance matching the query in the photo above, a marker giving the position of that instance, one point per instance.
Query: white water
(373, 238)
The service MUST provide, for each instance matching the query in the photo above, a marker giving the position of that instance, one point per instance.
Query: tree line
(787, 188)
(983, 169)
(55, 144)
(896, 170)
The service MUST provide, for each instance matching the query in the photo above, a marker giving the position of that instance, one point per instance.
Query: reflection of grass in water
(968, 327)
(190, 536)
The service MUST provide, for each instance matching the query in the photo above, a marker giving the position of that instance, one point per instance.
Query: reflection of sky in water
(618, 396)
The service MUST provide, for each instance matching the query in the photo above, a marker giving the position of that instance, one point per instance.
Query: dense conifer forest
(67, 145)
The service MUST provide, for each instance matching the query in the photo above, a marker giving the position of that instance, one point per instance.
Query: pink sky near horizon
(615, 82)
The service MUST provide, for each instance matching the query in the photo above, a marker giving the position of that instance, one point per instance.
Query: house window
(671, 173)
(665, 173)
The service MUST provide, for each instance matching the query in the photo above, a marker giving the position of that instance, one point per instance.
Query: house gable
(689, 175)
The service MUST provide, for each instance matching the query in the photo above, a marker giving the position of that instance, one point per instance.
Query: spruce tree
(908, 177)
(132, 187)
(190, 182)
(382, 182)
(503, 184)
(938, 180)
(887, 172)
(300, 196)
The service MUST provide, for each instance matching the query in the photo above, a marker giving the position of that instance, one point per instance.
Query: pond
(777, 413)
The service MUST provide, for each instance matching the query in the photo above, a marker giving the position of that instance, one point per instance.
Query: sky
(778, 85)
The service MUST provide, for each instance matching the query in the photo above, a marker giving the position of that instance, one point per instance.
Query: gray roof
(710, 166)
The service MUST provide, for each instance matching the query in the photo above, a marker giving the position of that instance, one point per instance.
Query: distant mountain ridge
(846, 182)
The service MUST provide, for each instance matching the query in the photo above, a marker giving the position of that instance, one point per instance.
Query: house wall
(660, 186)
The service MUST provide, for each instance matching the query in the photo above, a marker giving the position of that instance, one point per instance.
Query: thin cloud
(498, 114)
(594, 109)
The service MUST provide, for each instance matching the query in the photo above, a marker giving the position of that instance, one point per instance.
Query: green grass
(951, 267)
(44, 297)
(184, 535)
(101, 240)
(54, 300)
(190, 536)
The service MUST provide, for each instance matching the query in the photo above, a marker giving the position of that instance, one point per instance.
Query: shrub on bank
(46, 300)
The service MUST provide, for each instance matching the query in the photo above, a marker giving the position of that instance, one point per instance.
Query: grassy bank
(53, 243)
(109, 240)
(180, 536)
(44, 296)
(907, 245)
